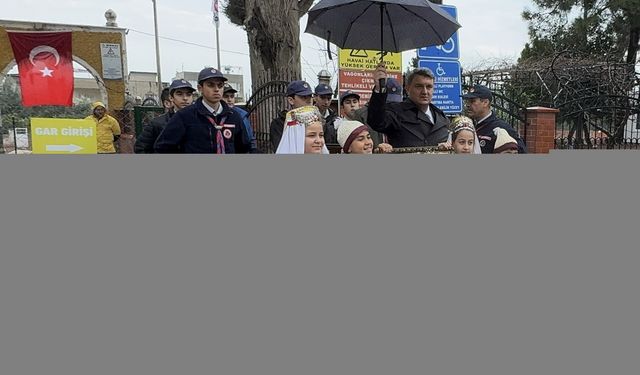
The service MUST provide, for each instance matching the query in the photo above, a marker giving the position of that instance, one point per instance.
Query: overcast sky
(491, 30)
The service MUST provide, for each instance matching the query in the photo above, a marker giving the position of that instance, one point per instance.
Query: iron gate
(266, 103)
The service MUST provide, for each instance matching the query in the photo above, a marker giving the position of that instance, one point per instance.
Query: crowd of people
(213, 124)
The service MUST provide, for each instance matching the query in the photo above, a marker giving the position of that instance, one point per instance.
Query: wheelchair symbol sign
(448, 47)
(448, 51)
(448, 84)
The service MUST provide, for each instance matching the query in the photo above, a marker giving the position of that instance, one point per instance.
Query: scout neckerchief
(220, 149)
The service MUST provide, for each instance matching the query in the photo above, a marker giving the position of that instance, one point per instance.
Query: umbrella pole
(382, 81)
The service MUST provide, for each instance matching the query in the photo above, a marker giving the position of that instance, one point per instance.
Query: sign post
(443, 61)
(448, 86)
(63, 136)
(356, 69)
(448, 51)
(111, 61)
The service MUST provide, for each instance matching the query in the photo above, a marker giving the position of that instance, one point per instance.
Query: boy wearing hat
(350, 103)
(107, 128)
(323, 95)
(299, 94)
(478, 107)
(209, 126)
(229, 96)
(180, 95)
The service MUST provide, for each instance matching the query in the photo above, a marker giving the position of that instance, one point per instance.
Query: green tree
(13, 112)
(603, 28)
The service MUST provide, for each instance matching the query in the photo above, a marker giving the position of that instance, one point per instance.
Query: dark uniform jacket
(275, 130)
(487, 137)
(330, 134)
(190, 131)
(405, 124)
(150, 132)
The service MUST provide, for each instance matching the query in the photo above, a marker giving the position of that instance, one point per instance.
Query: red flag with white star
(45, 65)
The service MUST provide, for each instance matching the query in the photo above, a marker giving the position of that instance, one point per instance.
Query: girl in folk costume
(354, 138)
(463, 137)
(303, 132)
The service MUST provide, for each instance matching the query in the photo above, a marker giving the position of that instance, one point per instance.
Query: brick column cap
(543, 110)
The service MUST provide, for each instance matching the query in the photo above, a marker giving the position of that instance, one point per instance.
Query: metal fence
(613, 123)
(599, 101)
(16, 132)
(15, 137)
(266, 103)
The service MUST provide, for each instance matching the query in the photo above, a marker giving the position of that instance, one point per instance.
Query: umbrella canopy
(384, 25)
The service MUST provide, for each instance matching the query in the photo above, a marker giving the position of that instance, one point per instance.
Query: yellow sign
(63, 136)
(361, 59)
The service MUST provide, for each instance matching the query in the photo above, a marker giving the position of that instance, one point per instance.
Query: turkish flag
(45, 66)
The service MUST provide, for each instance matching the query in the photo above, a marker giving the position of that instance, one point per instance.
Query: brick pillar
(541, 129)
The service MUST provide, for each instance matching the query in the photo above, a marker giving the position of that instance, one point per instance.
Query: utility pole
(216, 20)
(155, 21)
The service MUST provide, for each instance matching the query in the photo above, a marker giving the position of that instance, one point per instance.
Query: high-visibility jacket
(106, 128)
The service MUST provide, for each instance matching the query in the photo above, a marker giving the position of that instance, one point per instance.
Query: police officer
(208, 126)
(180, 96)
(299, 94)
(478, 107)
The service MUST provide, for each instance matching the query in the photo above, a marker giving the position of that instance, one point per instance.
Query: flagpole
(218, 43)
(155, 21)
(216, 19)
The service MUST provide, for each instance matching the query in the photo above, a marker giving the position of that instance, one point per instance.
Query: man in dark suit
(415, 122)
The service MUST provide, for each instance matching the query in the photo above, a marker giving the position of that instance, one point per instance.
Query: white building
(143, 85)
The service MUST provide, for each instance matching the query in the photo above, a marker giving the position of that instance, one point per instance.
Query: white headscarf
(295, 124)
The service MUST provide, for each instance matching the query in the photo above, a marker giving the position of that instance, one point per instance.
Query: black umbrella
(387, 25)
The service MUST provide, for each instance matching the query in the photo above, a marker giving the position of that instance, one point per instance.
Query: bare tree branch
(304, 6)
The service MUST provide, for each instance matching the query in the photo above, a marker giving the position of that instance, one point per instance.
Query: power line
(186, 42)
